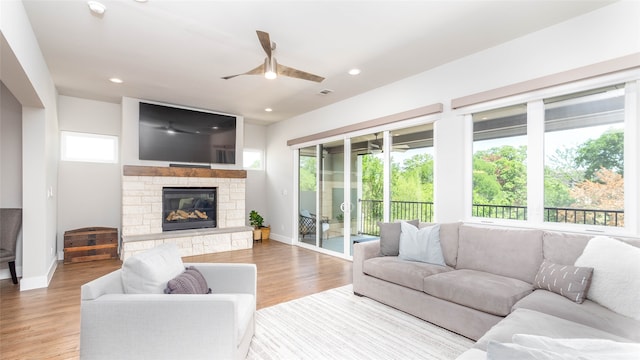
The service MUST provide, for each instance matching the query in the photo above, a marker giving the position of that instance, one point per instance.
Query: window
(412, 173)
(584, 157)
(559, 158)
(252, 159)
(500, 163)
(88, 147)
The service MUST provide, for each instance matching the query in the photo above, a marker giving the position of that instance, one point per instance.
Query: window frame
(65, 157)
(535, 153)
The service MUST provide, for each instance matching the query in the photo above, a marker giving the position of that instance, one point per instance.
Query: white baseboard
(42, 281)
(60, 255)
(281, 238)
(34, 282)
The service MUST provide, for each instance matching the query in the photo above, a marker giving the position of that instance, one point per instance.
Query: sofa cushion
(525, 321)
(148, 272)
(448, 240)
(390, 237)
(493, 294)
(588, 313)
(421, 244)
(616, 274)
(190, 281)
(563, 248)
(569, 281)
(515, 253)
(401, 272)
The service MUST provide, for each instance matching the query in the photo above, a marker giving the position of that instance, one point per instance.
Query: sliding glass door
(333, 208)
(308, 195)
(347, 186)
(324, 212)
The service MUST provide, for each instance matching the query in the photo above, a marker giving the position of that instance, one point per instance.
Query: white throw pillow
(616, 274)
(421, 244)
(148, 272)
(600, 349)
(509, 351)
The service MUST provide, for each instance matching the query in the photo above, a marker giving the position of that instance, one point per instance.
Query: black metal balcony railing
(372, 213)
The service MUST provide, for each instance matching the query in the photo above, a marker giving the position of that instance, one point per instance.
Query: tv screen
(181, 135)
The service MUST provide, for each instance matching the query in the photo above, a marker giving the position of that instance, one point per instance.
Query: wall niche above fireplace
(188, 208)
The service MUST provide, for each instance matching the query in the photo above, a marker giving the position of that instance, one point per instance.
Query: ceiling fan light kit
(271, 69)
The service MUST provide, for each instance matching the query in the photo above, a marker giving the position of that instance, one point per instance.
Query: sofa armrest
(361, 252)
(159, 326)
(366, 250)
(229, 278)
(110, 283)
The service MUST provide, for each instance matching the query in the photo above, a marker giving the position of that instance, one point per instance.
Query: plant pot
(266, 231)
(257, 234)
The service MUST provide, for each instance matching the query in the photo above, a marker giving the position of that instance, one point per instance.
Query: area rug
(336, 324)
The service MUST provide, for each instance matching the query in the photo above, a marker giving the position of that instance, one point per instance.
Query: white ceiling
(177, 51)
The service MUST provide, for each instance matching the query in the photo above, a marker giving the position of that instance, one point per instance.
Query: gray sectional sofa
(486, 290)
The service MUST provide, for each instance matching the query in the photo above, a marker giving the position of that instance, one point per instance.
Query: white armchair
(115, 325)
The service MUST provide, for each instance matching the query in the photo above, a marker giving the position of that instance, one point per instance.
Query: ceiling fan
(271, 69)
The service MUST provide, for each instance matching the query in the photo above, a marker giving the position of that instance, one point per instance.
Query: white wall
(89, 194)
(26, 75)
(256, 199)
(604, 34)
(10, 163)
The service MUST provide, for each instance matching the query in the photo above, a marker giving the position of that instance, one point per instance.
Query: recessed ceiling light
(268, 109)
(354, 71)
(116, 80)
(96, 7)
(141, 0)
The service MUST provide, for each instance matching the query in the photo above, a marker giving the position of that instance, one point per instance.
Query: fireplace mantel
(133, 170)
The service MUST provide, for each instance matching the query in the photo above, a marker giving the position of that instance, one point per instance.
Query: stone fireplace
(217, 195)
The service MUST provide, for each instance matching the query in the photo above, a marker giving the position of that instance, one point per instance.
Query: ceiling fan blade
(265, 41)
(299, 74)
(259, 70)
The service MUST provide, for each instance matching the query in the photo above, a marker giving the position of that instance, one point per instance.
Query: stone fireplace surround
(142, 210)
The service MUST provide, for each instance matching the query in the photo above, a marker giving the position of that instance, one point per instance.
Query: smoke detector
(325, 92)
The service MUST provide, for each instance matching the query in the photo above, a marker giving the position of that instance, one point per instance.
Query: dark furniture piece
(88, 244)
(10, 224)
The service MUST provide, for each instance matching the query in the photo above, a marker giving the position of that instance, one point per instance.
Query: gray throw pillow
(390, 237)
(190, 281)
(569, 281)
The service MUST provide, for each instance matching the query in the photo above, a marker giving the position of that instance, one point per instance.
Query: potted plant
(256, 220)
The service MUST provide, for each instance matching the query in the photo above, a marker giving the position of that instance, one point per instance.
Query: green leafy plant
(255, 219)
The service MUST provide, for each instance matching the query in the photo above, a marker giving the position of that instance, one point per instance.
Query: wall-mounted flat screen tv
(182, 135)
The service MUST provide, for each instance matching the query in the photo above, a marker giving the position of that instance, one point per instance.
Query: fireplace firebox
(188, 208)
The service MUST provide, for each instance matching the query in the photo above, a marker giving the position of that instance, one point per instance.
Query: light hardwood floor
(45, 323)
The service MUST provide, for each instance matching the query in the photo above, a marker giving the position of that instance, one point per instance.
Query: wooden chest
(92, 243)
